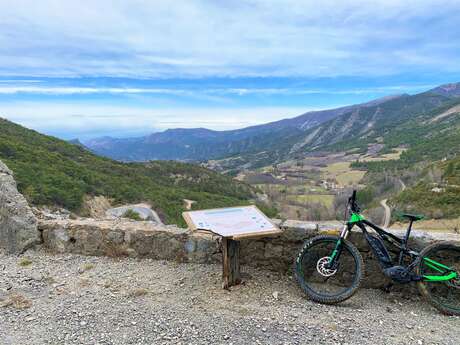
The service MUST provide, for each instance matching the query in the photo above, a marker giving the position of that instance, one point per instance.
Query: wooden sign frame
(249, 234)
(230, 245)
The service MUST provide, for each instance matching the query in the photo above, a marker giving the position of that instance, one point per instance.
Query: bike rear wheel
(325, 285)
(443, 295)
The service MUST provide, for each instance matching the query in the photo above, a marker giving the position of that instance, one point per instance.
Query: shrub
(131, 214)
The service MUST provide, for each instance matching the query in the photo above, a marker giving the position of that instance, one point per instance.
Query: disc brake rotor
(321, 267)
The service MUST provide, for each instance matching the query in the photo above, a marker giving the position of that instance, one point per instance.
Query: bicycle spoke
(329, 285)
(449, 295)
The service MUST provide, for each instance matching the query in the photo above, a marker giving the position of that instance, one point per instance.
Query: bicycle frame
(356, 219)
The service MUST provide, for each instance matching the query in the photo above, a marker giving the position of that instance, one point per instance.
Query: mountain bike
(329, 269)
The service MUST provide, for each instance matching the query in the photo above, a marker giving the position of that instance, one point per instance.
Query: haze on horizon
(85, 69)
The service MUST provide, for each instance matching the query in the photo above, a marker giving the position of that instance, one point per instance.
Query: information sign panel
(232, 222)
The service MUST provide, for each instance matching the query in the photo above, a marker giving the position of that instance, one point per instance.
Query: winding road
(386, 219)
(383, 203)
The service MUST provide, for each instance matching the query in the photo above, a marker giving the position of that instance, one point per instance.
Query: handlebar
(352, 203)
(353, 196)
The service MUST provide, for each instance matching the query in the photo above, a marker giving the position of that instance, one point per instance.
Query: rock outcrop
(95, 206)
(18, 225)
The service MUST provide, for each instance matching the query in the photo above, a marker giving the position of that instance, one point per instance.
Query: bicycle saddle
(413, 217)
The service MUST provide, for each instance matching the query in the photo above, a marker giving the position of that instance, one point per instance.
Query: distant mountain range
(347, 127)
(199, 144)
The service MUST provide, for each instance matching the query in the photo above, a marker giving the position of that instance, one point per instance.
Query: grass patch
(343, 173)
(338, 167)
(16, 301)
(384, 157)
(24, 262)
(325, 199)
(86, 267)
(350, 177)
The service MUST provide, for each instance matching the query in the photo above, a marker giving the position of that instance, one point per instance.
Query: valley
(402, 156)
(316, 187)
(399, 152)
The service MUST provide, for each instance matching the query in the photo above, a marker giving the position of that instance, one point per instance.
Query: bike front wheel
(440, 260)
(328, 285)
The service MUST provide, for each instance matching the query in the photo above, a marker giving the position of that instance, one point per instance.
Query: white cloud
(76, 120)
(75, 90)
(165, 38)
(53, 90)
(204, 39)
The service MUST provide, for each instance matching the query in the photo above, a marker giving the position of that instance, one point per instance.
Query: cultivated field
(325, 199)
(343, 174)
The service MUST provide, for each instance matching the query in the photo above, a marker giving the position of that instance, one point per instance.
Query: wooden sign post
(231, 275)
(233, 224)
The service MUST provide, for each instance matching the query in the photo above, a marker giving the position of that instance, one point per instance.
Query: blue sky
(124, 68)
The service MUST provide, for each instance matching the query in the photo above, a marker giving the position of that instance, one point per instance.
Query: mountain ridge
(196, 144)
(344, 128)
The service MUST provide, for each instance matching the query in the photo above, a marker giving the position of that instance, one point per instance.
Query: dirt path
(383, 203)
(403, 185)
(387, 218)
(71, 299)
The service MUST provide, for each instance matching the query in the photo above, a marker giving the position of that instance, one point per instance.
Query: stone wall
(142, 239)
(150, 240)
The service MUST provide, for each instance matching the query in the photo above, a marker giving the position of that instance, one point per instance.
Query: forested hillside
(394, 121)
(437, 192)
(358, 128)
(50, 171)
(430, 165)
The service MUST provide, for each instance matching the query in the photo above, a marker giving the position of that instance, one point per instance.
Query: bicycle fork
(335, 255)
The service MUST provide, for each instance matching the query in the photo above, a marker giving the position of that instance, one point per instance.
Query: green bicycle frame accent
(334, 252)
(451, 275)
(355, 218)
(440, 268)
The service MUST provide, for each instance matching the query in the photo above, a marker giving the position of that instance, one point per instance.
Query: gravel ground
(70, 299)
